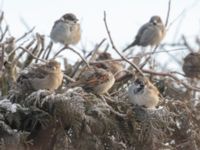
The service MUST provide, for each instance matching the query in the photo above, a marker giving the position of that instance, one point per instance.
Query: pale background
(124, 18)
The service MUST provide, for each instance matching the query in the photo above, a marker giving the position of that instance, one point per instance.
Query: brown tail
(74, 84)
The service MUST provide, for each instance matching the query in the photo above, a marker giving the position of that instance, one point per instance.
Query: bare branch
(113, 46)
(187, 44)
(68, 78)
(94, 51)
(83, 59)
(169, 74)
(168, 13)
(25, 34)
(61, 50)
(26, 50)
(47, 50)
(73, 50)
(149, 57)
(1, 57)
(4, 33)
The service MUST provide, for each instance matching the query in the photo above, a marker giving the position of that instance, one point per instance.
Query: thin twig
(68, 78)
(26, 50)
(42, 44)
(113, 46)
(4, 33)
(148, 53)
(48, 49)
(1, 57)
(75, 73)
(25, 34)
(1, 17)
(61, 50)
(94, 51)
(73, 50)
(22, 53)
(48, 52)
(83, 59)
(149, 57)
(169, 74)
(184, 11)
(187, 44)
(168, 13)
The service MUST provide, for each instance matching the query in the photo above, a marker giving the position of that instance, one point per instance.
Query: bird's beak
(76, 20)
(155, 22)
(54, 68)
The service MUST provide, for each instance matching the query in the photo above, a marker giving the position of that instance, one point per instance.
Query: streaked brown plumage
(96, 80)
(115, 67)
(46, 76)
(191, 65)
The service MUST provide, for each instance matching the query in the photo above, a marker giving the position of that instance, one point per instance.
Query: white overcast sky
(124, 17)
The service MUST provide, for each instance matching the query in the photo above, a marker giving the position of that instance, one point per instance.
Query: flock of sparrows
(100, 77)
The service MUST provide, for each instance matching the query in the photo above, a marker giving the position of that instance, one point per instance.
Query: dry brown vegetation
(73, 119)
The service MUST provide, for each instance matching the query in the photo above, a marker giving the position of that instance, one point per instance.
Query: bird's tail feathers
(74, 84)
(129, 46)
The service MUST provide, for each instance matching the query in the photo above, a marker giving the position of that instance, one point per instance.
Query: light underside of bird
(66, 30)
(145, 95)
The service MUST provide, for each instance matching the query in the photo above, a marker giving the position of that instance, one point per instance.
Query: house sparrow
(96, 80)
(66, 30)
(47, 76)
(143, 93)
(150, 33)
(113, 66)
(191, 65)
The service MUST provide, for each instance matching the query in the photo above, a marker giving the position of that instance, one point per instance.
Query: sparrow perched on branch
(96, 80)
(66, 30)
(143, 93)
(47, 76)
(150, 33)
(191, 65)
(113, 66)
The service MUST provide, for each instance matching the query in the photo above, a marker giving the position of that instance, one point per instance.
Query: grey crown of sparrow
(151, 33)
(66, 30)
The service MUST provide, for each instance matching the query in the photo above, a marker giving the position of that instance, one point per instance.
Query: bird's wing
(141, 32)
(149, 36)
(91, 79)
(60, 29)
